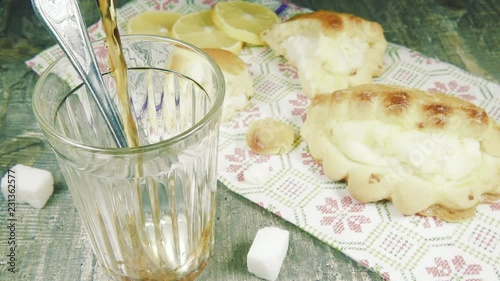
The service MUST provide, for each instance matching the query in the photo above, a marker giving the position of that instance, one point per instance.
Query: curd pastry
(237, 78)
(239, 82)
(428, 153)
(330, 50)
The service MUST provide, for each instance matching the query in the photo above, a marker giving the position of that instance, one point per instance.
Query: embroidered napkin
(295, 188)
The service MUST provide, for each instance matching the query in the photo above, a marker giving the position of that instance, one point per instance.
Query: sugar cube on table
(257, 174)
(28, 185)
(267, 252)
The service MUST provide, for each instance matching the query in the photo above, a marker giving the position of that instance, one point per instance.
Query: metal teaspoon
(63, 19)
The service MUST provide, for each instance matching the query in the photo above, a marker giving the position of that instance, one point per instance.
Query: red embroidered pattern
(455, 268)
(300, 105)
(338, 218)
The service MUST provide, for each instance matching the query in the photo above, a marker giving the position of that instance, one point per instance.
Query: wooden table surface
(51, 243)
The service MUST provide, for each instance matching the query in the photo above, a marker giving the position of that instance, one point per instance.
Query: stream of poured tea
(118, 67)
(139, 262)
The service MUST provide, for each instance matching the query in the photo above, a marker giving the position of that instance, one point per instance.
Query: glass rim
(217, 105)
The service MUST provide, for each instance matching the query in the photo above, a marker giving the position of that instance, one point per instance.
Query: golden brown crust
(458, 215)
(447, 214)
(227, 61)
(239, 82)
(329, 23)
(329, 20)
(237, 78)
(332, 22)
(413, 108)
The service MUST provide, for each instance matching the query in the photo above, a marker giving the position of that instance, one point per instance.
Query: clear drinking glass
(148, 211)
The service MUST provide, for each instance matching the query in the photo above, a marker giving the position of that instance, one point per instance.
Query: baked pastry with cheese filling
(239, 82)
(428, 153)
(237, 77)
(330, 50)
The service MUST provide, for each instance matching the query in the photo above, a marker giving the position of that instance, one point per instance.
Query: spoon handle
(63, 19)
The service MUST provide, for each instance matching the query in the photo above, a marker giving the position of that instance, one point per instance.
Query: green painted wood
(51, 243)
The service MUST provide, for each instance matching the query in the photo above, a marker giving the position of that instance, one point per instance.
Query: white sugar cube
(24, 184)
(267, 252)
(257, 174)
